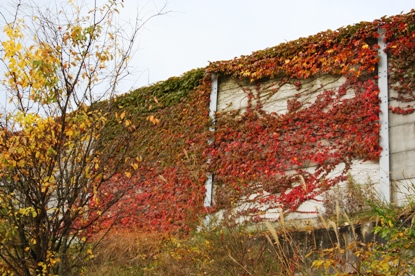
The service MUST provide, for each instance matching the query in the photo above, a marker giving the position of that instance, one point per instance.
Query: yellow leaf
(153, 120)
(128, 174)
(317, 263)
(55, 260)
(122, 115)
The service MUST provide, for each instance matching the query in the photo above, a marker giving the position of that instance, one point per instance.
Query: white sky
(199, 31)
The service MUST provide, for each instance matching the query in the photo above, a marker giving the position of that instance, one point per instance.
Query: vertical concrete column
(384, 161)
(212, 111)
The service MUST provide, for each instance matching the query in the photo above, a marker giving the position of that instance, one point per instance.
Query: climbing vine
(258, 147)
(253, 149)
(400, 38)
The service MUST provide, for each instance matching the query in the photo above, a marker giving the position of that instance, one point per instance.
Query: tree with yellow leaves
(57, 65)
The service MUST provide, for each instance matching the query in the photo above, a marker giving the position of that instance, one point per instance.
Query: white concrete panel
(398, 119)
(274, 95)
(363, 172)
(403, 165)
(277, 101)
(228, 83)
(232, 99)
(233, 95)
(402, 138)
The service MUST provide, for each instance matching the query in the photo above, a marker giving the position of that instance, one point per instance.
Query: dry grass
(224, 251)
(125, 253)
(233, 250)
(352, 198)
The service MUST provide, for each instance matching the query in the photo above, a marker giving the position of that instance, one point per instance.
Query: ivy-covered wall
(298, 135)
(293, 121)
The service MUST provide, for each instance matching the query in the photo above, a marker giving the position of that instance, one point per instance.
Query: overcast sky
(195, 32)
(199, 31)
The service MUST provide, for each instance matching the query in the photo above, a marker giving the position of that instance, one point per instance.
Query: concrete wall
(232, 96)
(402, 152)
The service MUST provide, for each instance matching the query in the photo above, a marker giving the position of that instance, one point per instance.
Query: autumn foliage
(73, 165)
(251, 145)
(52, 165)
